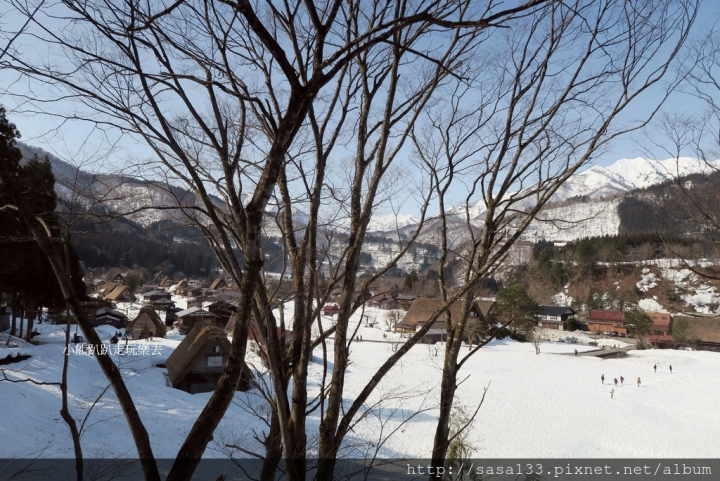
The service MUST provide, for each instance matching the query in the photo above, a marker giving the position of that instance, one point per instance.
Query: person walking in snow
(655, 367)
(622, 380)
(612, 392)
(615, 382)
(576, 352)
(602, 378)
(670, 368)
(638, 382)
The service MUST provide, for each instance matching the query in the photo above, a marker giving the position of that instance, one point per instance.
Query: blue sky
(66, 139)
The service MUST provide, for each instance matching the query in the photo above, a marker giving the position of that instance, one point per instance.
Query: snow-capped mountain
(390, 222)
(621, 177)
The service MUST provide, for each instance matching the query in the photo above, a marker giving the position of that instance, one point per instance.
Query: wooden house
(146, 322)
(105, 316)
(115, 275)
(187, 319)
(330, 310)
(382, 301)
(218, 283)
(148, 287)
(156, 295)
(486, 306)
(422, 310)
(607, 322)
(554, 317)
(662, 323)
(120, 294)
(198, 361)
(257, 345)
(404, 300)
(106, 288)
(224, 311)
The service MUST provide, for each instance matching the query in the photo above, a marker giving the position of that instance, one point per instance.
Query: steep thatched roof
(485, 307)
(148, 313)
(113, 273)
(107, 288)
(218, 282)
(421, 310)
(191, 349)
(118, 292)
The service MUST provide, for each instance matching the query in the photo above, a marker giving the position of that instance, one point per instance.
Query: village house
(105, 288)
(156, 295)
(114, 275)
(195, 283)
(146, 322)
(187, 318)
(487, 306)
(422, 310)
(257, 345)
(218, 283)
(120, 294)
(148, 287)
(554, 317)
(662, 323)
(382, 301)
(404, 300)
(330, 309)
(198, 361)
(224, 311)
(105, 316)
(607, 322)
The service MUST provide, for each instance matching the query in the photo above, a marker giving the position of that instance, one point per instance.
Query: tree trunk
(57, 256)
(22, 321)
(14, 314)
(65, 411)
(273, 449)
(32, 312)
(447, 395)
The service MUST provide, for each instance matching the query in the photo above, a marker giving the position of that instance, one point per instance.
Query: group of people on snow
(622, 380)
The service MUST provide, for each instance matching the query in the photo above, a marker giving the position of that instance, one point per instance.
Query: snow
(651, 305)
(647, 282)
(536, 406)
(390, 222)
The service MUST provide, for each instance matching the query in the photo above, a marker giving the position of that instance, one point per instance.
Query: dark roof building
(198, 361)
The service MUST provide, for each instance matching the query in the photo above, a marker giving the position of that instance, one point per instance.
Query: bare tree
(531, 125)
(535, 337)
(251, 106)
(392, 317)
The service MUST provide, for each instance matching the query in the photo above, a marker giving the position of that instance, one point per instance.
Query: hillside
(630, 196)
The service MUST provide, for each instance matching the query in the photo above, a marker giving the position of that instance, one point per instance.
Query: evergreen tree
(25, 270)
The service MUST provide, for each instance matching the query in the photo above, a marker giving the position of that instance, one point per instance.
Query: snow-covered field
(547, 405)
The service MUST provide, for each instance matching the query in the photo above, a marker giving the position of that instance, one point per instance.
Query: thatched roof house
(196, 364)
(422, 310)
(218, 283)
(120, 293)
(146, 322)
(114, 275)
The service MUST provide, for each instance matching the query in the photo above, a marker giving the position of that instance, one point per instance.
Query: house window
(216, 349)
(215, 361)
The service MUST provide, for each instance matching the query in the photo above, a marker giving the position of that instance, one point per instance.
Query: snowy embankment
(551, 405)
